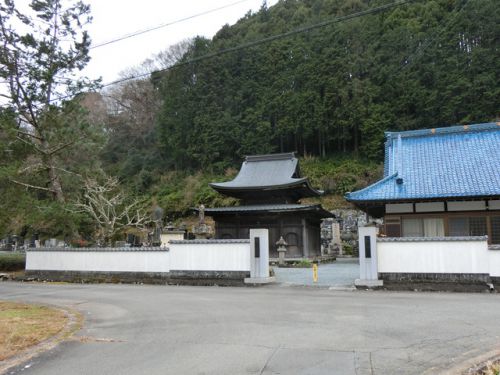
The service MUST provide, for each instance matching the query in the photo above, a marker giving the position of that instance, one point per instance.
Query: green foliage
(328, 94)
(12, 262)
(303, 263)
(347, 248)
(332, 90)
(38, 64)
(178, 193)
(339, 175)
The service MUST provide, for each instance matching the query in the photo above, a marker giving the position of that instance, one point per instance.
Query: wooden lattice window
(495, 229)
(393, 226)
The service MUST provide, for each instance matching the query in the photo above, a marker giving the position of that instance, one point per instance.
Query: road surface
(144, 329)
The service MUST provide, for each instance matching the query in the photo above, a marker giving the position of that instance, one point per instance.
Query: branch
(30, 135)
(59, 148)
(32, 186)
(69, 172)
(31, 144)
(34, 167)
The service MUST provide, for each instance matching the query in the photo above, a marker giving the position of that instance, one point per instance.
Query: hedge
(12, 262)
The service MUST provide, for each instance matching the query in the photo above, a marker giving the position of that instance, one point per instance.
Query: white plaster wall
(111, 261)
(494, 205)
(429, 207)
(436, 257)
(467, 206)
(210, 257)
(494, 261)
(396, 208)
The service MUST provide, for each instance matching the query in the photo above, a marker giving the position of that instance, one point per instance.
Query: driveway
(139, 329)
(340, 273)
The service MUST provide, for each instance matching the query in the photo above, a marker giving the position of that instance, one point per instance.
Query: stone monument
(202, 230)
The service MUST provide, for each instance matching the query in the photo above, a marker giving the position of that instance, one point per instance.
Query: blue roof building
(439, 173)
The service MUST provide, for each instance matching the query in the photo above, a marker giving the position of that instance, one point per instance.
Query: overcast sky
(115, 18)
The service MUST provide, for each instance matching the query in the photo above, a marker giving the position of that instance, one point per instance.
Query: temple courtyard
(339, 274)
(144, 329)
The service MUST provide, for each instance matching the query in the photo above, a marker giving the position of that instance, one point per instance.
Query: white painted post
(259, 257)
(368, 266)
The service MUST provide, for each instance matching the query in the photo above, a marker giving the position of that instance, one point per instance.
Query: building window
(467, 226)
(495, 229)
(413, 228)
(393, 227)
(423, 227)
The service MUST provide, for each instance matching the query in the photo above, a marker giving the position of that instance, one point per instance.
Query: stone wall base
(203, 278)
(451, 282)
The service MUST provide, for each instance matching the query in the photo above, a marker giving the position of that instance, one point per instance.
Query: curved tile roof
(458, 161)
(257, 208)
(267, 172)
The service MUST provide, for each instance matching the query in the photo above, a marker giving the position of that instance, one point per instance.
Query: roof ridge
(445, 130)
(271, 157)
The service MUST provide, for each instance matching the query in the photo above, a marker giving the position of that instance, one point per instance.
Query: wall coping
(432, 239)
(98, 249)
(208, 242)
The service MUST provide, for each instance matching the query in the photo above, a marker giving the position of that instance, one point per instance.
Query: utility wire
(257, 42)
(160, 26)
(272, 38)
(422, 47)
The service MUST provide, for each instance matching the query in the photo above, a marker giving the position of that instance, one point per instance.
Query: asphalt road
(139, 329)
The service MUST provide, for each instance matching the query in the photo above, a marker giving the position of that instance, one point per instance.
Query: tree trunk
(356, 137)
(55, 184)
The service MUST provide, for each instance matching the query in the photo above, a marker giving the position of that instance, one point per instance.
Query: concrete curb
(474, 365)
(75, 322)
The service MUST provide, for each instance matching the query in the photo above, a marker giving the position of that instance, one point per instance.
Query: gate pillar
(259, 257)
(368, 261)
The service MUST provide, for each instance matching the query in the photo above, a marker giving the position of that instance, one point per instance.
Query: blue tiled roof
(458, 161)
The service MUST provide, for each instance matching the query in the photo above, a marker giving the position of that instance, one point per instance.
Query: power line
(149, 29)
(268, 39)
(418, 53)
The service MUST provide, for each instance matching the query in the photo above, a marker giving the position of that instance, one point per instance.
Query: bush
(12, 262)
(347, 248)
(304, 263)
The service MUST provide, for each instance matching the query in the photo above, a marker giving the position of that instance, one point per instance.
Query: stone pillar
(336, 241)
(305, 242)
(259, 257)
(368, 263)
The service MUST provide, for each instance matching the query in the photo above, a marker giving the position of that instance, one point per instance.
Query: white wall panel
(398, 208)
(102, 261)
(435, 257)
(210, 257)
(467, 206)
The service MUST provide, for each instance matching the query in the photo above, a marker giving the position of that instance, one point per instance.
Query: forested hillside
(334, 89)
(258, 86)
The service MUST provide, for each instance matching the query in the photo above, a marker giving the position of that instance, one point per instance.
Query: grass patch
(22, 326)
(304, 263)
(491, 369)
(12, 262)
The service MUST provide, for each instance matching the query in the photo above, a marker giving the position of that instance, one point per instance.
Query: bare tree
(109, 209)
(134, 104)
